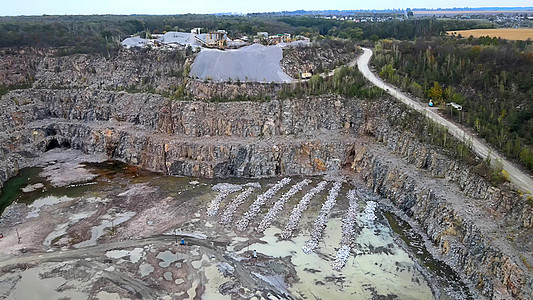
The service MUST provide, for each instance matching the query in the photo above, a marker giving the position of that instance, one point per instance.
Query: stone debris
(278, 206)
(298, 210)
(223, 189)
(226, 187)
(225, 269)
(254, 209)
(212, 209)
(322, 220)
(348, 232)
(370, 211)
(256, 63)
(227, 216)
(342, 257)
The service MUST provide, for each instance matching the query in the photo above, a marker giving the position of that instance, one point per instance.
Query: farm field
(504, 33)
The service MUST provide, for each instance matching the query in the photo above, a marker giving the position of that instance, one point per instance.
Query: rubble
(227, 216)
(298, 210)
(278, 206)
(224, 189)
(322, 219)
(253, 211)
(370, 211)
(348, 232)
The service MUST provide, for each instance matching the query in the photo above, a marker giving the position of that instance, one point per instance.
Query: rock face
(481, 231)
(495, 268)
(187, 138)
(316, 58)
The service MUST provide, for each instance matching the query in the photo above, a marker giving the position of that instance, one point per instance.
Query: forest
(492, 79)
(102, 33)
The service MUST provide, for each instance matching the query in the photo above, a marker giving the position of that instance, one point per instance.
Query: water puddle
(46, 201)
(100, 230)
(214, 280)
(445, 275)
(374, 271)
(32, 286)
(109, 296)
(12, 190)
(135, 255)
(376, 267)
(167, 258)
(145, 269)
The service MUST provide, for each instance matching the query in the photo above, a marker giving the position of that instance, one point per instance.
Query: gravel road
(518, 177)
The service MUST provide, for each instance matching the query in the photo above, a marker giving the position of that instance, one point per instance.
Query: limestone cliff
(480, 230)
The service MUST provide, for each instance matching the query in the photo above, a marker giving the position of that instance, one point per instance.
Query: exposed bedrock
(250, 139)
(464, 233)
(481, 231)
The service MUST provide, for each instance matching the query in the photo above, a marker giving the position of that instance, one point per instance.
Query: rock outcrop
(481, 231)
(251, 139)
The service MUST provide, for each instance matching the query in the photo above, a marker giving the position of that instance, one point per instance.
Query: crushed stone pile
(254, 63)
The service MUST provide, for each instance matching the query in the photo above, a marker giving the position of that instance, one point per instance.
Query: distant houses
(279, 38)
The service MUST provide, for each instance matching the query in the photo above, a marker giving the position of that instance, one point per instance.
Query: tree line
(101, 33)
(491, 78)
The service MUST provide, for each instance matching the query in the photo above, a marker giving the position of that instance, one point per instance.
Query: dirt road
(519, 178)
(96, 254)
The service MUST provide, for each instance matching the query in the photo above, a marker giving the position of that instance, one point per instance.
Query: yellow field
(504, 33)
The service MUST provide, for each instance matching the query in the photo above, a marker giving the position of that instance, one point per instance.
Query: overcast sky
(62, 7)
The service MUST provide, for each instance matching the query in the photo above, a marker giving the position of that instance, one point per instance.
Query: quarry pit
(296, 198)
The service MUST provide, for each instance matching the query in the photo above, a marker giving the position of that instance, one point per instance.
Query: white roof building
(134, 42)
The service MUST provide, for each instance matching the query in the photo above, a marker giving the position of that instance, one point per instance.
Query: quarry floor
(111, 231)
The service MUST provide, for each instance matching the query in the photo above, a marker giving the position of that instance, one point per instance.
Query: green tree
(387, 72)
(416, 89)
(435, 92)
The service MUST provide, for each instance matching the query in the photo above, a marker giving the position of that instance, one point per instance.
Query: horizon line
(481, 8)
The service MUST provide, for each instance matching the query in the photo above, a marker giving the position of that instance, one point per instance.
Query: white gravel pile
(322, 220)
(370, 211)
(134, 42)
(348, 232)
(181, 38)
(254, 63)
(254, 209)
(298, 210)
(224, 189)
(278, 206)
(227, 216)
(213, 207)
